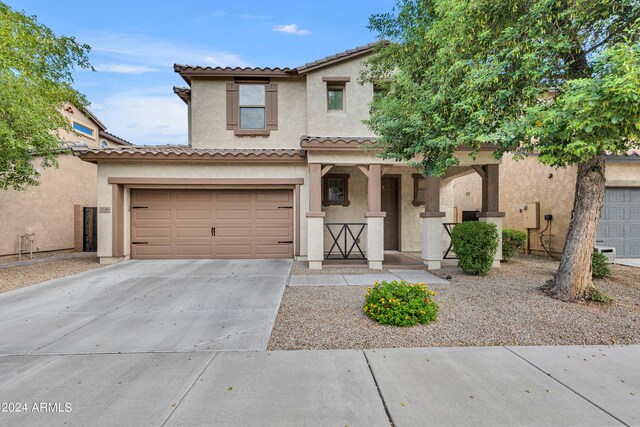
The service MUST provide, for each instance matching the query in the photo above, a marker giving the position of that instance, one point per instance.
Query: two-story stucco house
(277, 163)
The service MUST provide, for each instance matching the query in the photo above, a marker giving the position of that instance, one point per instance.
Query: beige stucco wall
(322, 122)
(528, 180)
(189, 170)
(209, 116)
(47, 209)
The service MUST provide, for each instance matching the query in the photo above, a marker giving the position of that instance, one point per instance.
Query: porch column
(315, 218)
(432, 229)
(375, 217)
(491, 204)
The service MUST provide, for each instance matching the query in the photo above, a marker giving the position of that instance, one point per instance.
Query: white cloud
(145, 54)
(145, 119)
(124, 68)
(291, 29)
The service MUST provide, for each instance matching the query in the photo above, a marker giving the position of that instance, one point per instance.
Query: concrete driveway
(147, 306)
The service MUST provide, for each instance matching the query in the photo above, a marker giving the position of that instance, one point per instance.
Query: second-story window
(336, 89)
(252, 106)
(83, 129)
(335, 98)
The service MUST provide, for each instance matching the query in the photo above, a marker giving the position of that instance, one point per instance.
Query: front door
(391, 205)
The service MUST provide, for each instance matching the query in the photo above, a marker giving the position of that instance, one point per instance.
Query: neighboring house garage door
(211, 224)
(620, 221)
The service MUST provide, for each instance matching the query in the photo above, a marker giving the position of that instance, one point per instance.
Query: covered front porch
(383, 214)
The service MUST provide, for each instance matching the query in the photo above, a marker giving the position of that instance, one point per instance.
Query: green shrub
(475, 244)
(599, 266)
(597, 296)
(512, 241)
(400, 303)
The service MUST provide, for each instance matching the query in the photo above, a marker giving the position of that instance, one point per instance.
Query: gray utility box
(608, 251)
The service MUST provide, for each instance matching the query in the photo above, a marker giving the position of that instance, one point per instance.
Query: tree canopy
(560, 78)
(555, 77)
(36, 81)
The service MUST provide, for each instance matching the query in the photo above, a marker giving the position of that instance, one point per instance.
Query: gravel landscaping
(505, 307)
(27, 275)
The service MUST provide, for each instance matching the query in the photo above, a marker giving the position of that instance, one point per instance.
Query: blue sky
(135, 43)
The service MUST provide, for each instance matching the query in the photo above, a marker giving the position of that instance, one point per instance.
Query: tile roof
(114, 138)
(187, 71)
(338, 139)
(177, 152)
(95, 118)
(339, 143)
(341, 56)
(183, 93)
(633, 152)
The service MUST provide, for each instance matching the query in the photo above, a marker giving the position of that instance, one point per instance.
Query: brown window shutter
(232, 106)
(271, 102)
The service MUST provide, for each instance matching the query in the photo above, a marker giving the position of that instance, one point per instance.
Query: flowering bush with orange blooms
(400, 303)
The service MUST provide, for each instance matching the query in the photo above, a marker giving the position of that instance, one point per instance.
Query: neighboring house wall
(209, 116)
(528, 180)
(47, 209)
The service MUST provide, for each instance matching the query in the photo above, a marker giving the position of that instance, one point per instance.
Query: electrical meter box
(531, 215)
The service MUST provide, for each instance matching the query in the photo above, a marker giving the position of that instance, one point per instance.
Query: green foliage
(596, 295)
(560, 78)
(400, 303)
(475, 244)
(600, 266)
(512, 240)
(35, 82)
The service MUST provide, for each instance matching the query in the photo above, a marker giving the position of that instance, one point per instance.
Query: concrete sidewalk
(496, 386)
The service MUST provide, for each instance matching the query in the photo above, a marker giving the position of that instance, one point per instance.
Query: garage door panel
(152, 196)
(178, 224)
(233, 196)
(196, 196)
(233, 250)
(150, 214)
(194, 251)
(233, 214)
(203, 232)
(268, 196)
(273, 249)
(195, 213)
(140, 251)
(276, 232)
(152, 232)
(273, 214)
(233, 232)
(620, 221)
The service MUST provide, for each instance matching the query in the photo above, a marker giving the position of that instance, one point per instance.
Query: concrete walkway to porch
(410, 276)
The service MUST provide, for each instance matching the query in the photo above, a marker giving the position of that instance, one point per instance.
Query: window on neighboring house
(104, 144)
(418, 189)
(83, 129)
(252, 108)
(335, 189)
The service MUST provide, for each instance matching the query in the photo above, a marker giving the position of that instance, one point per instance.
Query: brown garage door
(211, 224)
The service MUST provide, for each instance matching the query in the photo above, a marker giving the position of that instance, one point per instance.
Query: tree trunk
(573, 279)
